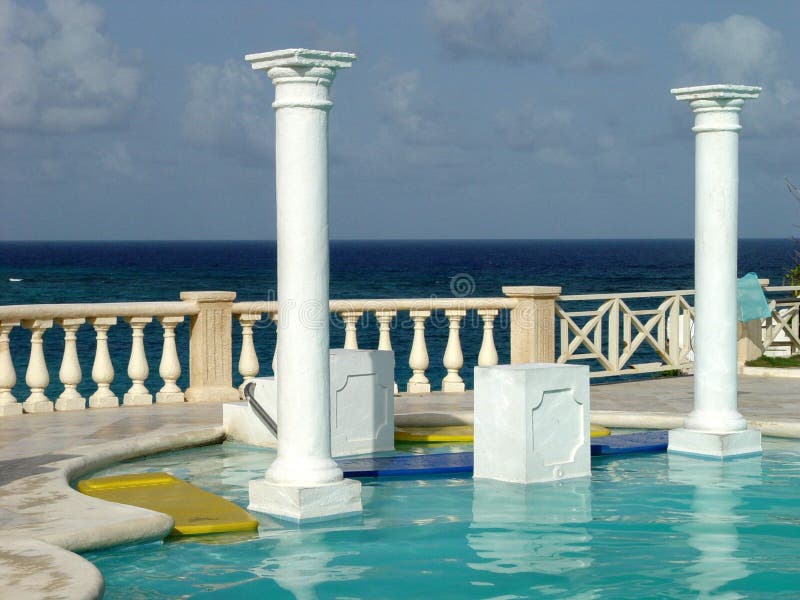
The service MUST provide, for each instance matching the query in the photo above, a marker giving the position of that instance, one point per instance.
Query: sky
(460, 119)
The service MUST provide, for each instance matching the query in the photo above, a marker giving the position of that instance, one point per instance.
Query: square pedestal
(362, 401)
(306, 503)
(362, 405)
(715, 445)
(532, 422)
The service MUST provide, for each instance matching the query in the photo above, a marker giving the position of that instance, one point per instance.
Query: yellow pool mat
(195, 511)
(457, 433)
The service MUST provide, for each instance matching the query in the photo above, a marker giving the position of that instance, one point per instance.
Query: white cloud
(60, 72)
(531, 127)
(229, 110)
(740, 49)
(597, 56)
(501, 30)
(408, 110)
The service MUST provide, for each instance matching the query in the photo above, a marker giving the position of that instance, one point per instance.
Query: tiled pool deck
(41, 453)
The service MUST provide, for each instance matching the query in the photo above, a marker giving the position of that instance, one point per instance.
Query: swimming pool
(645, 526)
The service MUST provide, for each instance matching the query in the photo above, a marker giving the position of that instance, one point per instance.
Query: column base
(715, 445)
(71, 403)
(137, 399)
(169, 397)
(219, 393)
(9, 410)
(305, 503)
(37, 406)
(103, 401)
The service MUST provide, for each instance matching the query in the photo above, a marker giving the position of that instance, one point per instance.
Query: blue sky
(460, 118)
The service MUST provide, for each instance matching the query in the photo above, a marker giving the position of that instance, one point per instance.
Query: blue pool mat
(415, 464)
(627, 443)
(461, 462)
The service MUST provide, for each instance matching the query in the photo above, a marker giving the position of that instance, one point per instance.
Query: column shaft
(716, 226)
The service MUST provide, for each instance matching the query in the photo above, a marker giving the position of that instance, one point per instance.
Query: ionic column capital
(716, 107)
(308, 73)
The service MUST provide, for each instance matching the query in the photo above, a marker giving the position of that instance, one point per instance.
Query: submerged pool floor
(649, 525)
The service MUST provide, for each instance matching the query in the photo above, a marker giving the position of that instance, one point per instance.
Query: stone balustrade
(40, 318)
(621, 334)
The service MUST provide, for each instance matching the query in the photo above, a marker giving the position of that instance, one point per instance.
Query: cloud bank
(502, 30)
(229, 110)
(61, 72)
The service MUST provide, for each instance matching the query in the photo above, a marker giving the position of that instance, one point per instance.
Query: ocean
(60, 272)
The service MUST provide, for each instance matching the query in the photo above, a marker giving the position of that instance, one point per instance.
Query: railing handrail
(389, 304)
(19, 312)
(611, 296)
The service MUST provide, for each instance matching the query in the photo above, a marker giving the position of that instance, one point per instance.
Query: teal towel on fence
(750, 298)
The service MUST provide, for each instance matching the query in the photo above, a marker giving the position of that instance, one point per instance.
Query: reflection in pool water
(644, 526)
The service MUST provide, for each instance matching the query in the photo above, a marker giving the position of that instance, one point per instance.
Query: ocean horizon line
(385, 240)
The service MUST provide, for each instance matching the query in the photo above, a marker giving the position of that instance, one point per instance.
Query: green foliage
(776, 362)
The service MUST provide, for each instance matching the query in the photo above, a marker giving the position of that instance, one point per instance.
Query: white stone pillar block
(361, 401)
(715, 427)
(304, 482)
(532, 422)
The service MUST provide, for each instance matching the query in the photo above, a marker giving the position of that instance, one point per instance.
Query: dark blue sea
(59, 272)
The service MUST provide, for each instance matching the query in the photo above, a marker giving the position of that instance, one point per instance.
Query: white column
(715, 427)
(304, 482)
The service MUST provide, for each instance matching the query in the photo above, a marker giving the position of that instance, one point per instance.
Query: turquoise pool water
(646, 526)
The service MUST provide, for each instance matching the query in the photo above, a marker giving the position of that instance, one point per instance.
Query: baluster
(102, 369)
(384, 318)
(274, 317)
(248, 359)
(170, 367)
(350, 318)
(487, 356)
(36, 377)
(137, 365)
(70, 372)
(8, 376)
(453, 357)
(418, 358)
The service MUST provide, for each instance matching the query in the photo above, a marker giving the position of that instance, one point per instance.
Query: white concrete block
(362, 405)
(362, 401)
(305, 503)
(717, 445)
(532, 422)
